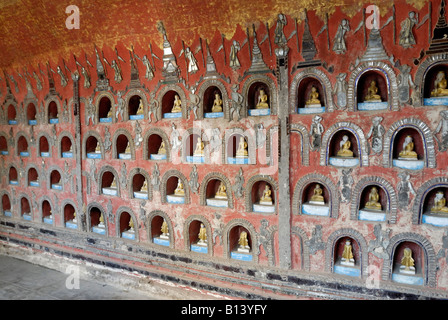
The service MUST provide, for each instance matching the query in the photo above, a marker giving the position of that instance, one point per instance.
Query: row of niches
(409, 262)
(311, 94)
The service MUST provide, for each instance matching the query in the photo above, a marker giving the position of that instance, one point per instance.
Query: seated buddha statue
(440, 86)
(113, 184)
(439, 203)
(165, 230)
(98, 148)
(162, 149)
(140, 108)
(180, 189)
(262, 100)
(144, 187)
(243, 243)
(128, 148)
(372, 93)
(317, 194)
(217, 103)
(177, 106)
(199, 151)
(347, 254)
(374, 197)
(407, 262)
(266, 198)
(109, 114)
(242, 148)
(344, 150)
(101, 223)
(408, 149)
(313, 98)
(222, 191)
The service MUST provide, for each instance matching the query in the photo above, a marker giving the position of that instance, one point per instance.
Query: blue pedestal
(315, 209)
(34, 183)
(24, 154)
(13, 122)
(372, 106)
(161, 242)
(14, 182)
(197, 248)
(7, 213)
(370, 215)
(241, 256)
(157, 157)
(56, 186)
(211, 115)
(437, 220)
(67, 154)
(173, 199)
(195, 159)
(26, 217)
(71, 225)
(110, 191)
(99, 230)
(4, 152)
(441, 101)
(45, 154)
(220, 203)
(237, 160)
(140, 195)
(172, 115)
(32, 122)
(344, 162)
(408, 164)
(105, 120)
(407, 279)
(94, 155)
(125, 156)
(128, 235)
(259, 112)
(48, 220)
(54, 121)
(137, 117)
(263, 208)
(347, 270)
(310, 110)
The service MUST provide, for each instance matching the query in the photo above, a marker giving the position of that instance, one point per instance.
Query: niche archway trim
(127, 98)
(41, 213)
(161, 134)
(224, 96)
(128, 135)
(70, 136)
(422, 192)
(88, 218)
(305, 248)
(104, 169)
(132, 215)
(97, 136)
(215, 176)
(149, 222)
(207, 226)
(182, 96)
(248, 190)
(52, 98)
(255, 250)
(97, 101)
(304, 143)
(145, 174)
(273, 97)
(249, 135)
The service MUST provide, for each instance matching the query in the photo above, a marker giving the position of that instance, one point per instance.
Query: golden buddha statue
(262, 100)
(372, 93)
(199, 151)
(180, 189)
(109, 114)
(144, 187)
(243, 242)
(317, 194)
(113, 184)
(374, 197)
(242, 148)
(408, 149)
(162, 149)
(165, 230)
(101, 224)
(140, 109)
(439, 203)
(347, 254)
(266, 198)
(313, 98)
(202, 236)
(344, 150)
(128, 148)
(440, 86)
(407, 262)
(222, 191)
(177, 106)
(98, 148)
(217, 104)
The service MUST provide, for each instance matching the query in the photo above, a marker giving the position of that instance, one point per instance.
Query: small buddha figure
(242, 148)
(262, 102)
(217, 104)
(243, 243)
(439, 203)
(180, 189)
(74, 217)
(71, 148)
(313, 98)
(408, 149)
(199, 151)
(177, 106)
(144, 187)
(162, 149)
(50, 216)
(128, 148)
(140, 108)
(407, 262)
(317, 195)
(113, 184)
(266, 198)
(374, 197)
(344, 150)
(347, 254)
(109, 114)
(101, 224)
(131, 225)
(222, 191)
(440, 86)
(202, 236)
(98, 148)
(165, 231)
(372, 93)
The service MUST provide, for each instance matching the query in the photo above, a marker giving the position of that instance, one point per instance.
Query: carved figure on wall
(345, 183)
(155, 179)
(315, 243)
(439, 205)
(372, 93)
(239, 182)
(86, 76)
(194, 184)
(377, 132)
(215, 140)
(116, 67)
(440, 86)
(279, 35)
(262, 102)
(443, 128)
(340, 90)
(406, 36)
(404, 189)
(38, 82)
(345, 146)
(107, 141)
(339, 45)
(408, 149)
(234, 49)
(120, 106)
(237, 103)
(64, 80)
(194, 103)
(192, 62)
(90, 111)
(316, 131)
(378, 247)
(149, 74)
(404, 81)
(175, 142)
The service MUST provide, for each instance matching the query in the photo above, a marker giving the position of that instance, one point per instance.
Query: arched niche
(46, 211)
(192, 140)
(192, 228)
(13, 176)
(422, 139)
(169, 184)
(109, 182)
(69, 215)
(105, 110)
(388, 200)
(256, 194)
(377, 68)
(165, 99)
(427, 208)
(127, 224)
(303, 137)
(152, 142)
(377, 79)
(25, 208)
(121, 141)
(53, 111)
(33, 177)
(11, 114)
(300, 251)
(96, 219)
(139, 184)
(301, 87)
(209, 188)
(6, 204)
(3, 144)
(251, 92)
(206, 93)
(336, 148)
(135, 107)
(160, 229)
(232, 146)
(232, 232)
(44, 149)
(93, 146)
(31, 112)
(55, 179)
(22, 146)
(66, 145)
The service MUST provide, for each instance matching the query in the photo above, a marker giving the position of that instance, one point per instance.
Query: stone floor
(21, 280)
